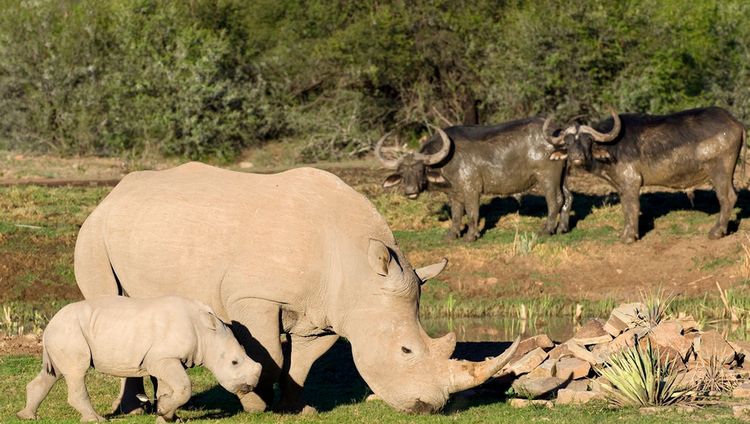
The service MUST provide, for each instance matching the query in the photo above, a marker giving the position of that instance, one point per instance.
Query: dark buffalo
(468, 161)
(681, 151)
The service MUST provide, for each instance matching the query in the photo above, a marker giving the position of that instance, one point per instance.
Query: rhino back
(189, 229)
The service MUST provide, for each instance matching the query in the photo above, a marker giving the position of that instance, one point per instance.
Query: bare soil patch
(28, 344)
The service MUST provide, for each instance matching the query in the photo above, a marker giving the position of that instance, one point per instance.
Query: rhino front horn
(464, 375)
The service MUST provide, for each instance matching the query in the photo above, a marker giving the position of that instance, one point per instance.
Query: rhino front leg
(255, 324)
(304, 352)
(174, 388)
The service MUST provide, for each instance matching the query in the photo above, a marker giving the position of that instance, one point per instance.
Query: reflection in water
(559, 329)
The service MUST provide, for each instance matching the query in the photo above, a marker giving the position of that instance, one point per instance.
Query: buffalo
(467, 161)
(681, 151)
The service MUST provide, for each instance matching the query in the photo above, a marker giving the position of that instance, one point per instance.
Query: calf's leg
(37, 390)
(78, 397)
(304, 352)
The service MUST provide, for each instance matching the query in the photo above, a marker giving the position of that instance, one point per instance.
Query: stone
(246, 165)
(573, 397)
(712, 344)
(629, 313)
(545, 369)
(592, 333)
(572, 368)
(614, 326)
(668, 334)
(742, 391)
(532, 343)
(626, 339)
(560, 351)
(597, 383)
(529, 361)
(525, 403)
(741, 411)
(691, 377)
(578, 385)
(601, 353)
(688, 323)
(537, 387)
(581, 352)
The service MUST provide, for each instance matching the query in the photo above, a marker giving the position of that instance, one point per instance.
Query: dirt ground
(585, 269)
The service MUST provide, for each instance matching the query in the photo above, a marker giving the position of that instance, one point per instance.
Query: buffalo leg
(631, 208)
(724, 187)
(564, 225)
(255, 324)
(472, 212)
(174, 387)
(554, 197)
(304, 352)
(457, 217)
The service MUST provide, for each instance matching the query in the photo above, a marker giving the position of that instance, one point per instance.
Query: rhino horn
(463, 375)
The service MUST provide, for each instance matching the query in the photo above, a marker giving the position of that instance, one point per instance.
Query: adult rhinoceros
(298, 252)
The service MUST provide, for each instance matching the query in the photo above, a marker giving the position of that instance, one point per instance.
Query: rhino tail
(47, 364)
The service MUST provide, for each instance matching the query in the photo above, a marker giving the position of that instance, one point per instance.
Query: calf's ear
(379, 257)
(600, 154)
(436, 177)
(392, 180)
(561, 154)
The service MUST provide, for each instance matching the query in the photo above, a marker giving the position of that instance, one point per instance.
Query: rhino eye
(405, 349)
(235, 362)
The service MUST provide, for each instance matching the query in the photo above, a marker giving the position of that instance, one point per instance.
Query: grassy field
(338, 397)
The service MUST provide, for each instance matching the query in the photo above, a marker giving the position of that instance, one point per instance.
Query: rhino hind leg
(255, 324)
(37, 390)
(304, 351)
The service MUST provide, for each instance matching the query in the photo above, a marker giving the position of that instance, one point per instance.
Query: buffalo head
(579, 143)
(413, 169)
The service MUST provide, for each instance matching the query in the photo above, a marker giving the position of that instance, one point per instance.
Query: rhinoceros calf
(128, 337)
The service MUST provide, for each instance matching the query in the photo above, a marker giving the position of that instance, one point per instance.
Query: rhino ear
(209, 320)
(431, 271)
(379, 256)
(392, 180)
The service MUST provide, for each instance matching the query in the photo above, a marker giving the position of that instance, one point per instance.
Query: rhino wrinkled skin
(127, 337)
(298, 252)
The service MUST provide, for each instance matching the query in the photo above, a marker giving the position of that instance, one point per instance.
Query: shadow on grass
(334, 381)
(653, 206)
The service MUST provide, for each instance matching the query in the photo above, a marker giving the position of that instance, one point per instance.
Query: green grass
(212, 404)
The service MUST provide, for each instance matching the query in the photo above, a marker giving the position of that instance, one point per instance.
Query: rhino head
(398, 360)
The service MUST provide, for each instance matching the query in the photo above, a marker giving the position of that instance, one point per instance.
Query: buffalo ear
(600, 154)
(436, 177)
(559, 155)
(431, 271)
(392, 180)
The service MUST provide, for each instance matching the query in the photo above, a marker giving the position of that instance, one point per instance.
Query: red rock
(626, 339)
(527, 345)
(668, 334)
(574, 368)
(572, 397)
(525, 403)
(580, 352)
(545, 369)
(529, 361)
(560, 351)
(592, 333)
(578, 385)
(614, 326)
(537, 387)
(629, 313)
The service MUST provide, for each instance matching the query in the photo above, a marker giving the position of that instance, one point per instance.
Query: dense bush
(205, 78)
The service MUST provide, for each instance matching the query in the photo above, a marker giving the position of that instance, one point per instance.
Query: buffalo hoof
(26, 415)
(470, 237)
(562, 229)
(545, 231)
(629, 239)
(716, 233)
(450, 235)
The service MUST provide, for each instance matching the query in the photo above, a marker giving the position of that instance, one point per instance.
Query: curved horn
(388, 163)
(555, 141)
(464, 375)
(441, 154)
(605, 137)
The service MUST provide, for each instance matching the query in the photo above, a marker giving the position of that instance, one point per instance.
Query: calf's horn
(435, 158)
(605, 137)
(463, 375)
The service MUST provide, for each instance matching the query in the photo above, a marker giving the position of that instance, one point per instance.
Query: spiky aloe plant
(657, 303)
(638, 376)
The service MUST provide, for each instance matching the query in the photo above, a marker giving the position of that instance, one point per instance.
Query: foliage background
(206, 78)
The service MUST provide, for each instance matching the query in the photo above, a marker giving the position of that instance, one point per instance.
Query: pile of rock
(542, 369)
